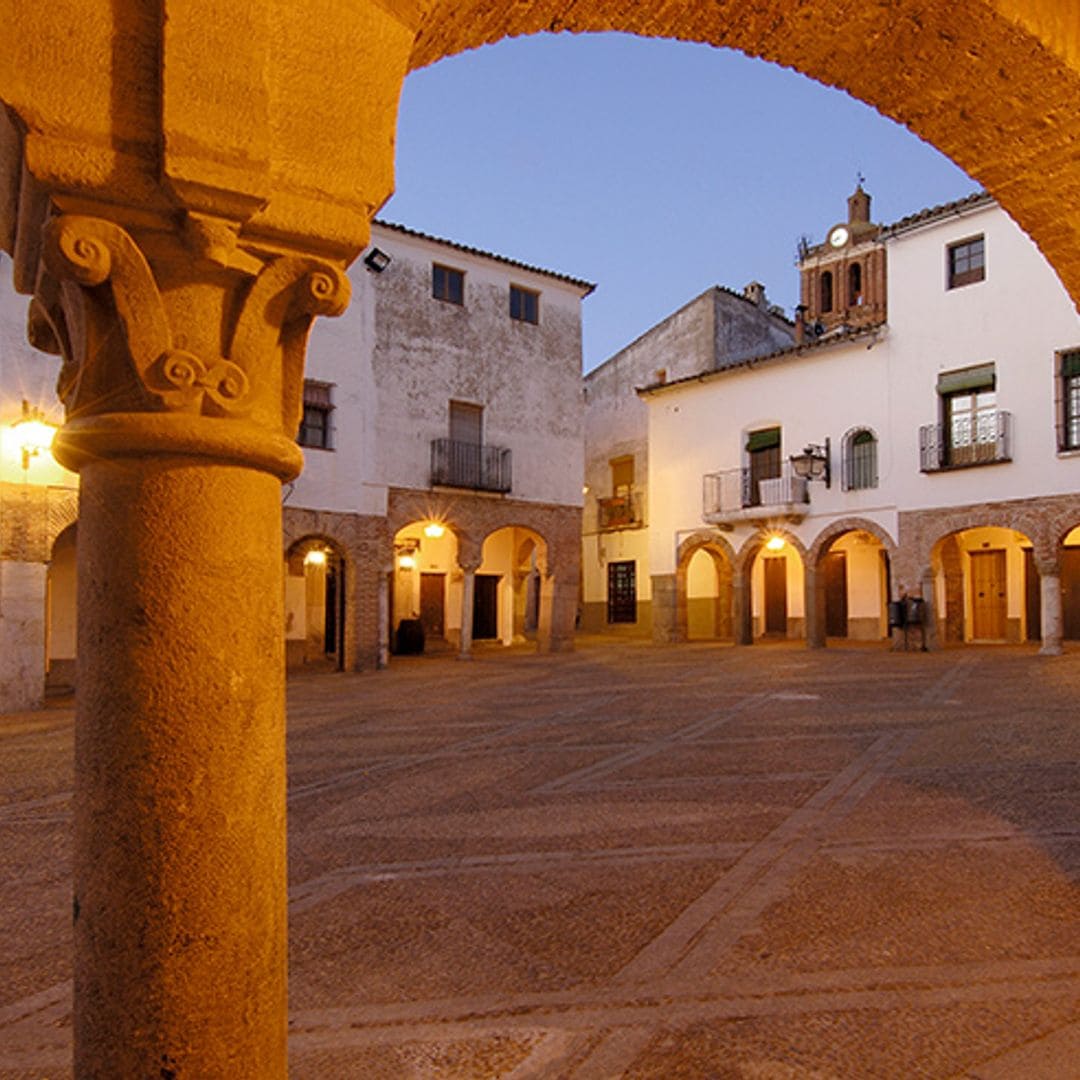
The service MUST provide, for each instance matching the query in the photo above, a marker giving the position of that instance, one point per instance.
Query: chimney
(755, 293)
(660, 375)
(858, 207)
(800, 324)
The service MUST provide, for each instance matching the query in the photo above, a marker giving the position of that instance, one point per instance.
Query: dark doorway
(776, 596)
(1032, 597)
(334, 626)
(834, 568)
(763, 451)
(485, 624)
(1070, 592)
(622, 592)
(432, 604)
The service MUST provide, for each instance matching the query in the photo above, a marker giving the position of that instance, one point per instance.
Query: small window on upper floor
(967, 262)
(447, 284)
(826, 291)
(622, 475)
(524, 304)
(316, 431)
(859, 460)
(1068, 396)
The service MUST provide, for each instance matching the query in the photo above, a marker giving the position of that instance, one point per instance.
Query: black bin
(915, 605)
(897, 614)
(409, 639)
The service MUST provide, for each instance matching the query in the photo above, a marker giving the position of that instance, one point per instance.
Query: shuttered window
(316, 430)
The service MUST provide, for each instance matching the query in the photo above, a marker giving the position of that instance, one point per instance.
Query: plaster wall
(1016, 318)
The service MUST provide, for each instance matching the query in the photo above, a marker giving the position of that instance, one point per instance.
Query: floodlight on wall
(30, 435)
(774, 543)
(376, 260)
(435, 530)
(315, 557)
(813, 463)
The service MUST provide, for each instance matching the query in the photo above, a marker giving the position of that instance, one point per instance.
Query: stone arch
(817, 610)
(521, 559)
(930, 73)
(834, 530)
(1020, 517)
(319, 602)
(743, 613)
(723, 557)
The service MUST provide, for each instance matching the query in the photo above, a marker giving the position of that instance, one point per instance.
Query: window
(315, 430)
(969, 415)
(524, 304)
(967, 262)
(860, 460)
(447, 284)
(854, 285)
(622, 475)
(1069, 400)
(826, 291)
(622, 592)
(763, 454)
(466, 423)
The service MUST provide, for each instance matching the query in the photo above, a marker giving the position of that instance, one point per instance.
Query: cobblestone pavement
(676, 862)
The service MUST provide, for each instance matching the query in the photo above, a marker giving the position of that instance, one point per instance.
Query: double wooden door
(989, 595)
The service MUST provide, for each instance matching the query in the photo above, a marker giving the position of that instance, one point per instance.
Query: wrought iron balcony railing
(620, 511)
(736, 494)
(976, 439)
(470, 465)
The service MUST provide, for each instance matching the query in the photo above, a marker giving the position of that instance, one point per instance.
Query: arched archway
(704, 588)
(424, 609)
(928, 69)
(770, 587)
(61, 610)
(316, 614)
(849, 582)
(512, 596)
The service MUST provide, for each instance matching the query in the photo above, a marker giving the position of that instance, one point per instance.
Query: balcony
(620, 512)
(980, 439)
(470, 465)
(734, 495)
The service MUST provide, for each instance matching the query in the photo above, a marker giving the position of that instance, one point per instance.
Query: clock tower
(843, 279)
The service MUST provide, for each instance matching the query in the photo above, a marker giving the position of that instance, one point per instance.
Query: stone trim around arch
(919, 75)
(836, 529)
(753, 544)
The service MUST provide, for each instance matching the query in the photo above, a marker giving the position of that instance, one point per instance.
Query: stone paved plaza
(677, 862)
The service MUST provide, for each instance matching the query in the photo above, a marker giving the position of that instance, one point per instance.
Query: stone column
(814, 601)
(1051, 614)
(557, 615)
(383, 609)
(182, 384)
(669, 618)
(468, 600)
(742, 608)
(930, 626)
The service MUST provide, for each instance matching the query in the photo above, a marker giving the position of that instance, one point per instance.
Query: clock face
(838, 237)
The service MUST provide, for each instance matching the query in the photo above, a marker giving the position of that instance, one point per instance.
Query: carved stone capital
(168, 351)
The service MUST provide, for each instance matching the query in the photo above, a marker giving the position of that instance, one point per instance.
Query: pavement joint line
(614, 1053)
(367, 1026)
(579, 779)
(687, 945)
(393, 764)
(947, 683)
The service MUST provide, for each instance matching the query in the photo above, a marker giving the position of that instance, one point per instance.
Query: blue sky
(654, 168)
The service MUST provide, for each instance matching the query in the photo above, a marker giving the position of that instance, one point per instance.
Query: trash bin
(914, 612)
(897, 614)
(409, 639)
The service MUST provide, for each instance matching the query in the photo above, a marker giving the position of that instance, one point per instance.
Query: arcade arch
(316, 611)
(425, 588)
(704, 586)
(61, 611)
(1070, 585)
(770, 587)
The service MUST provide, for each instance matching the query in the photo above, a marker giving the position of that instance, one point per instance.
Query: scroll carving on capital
(125, 339)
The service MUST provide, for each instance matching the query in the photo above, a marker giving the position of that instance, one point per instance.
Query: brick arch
(991, 83)
(703, 539)
(1022, 519)
(832, 532)
(750, 548)
(297, 547)
(543, 547)
(63, 511)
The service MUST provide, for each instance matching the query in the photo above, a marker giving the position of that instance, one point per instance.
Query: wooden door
(834, 567)
(988, 596)
(486, 607)
(1032, 597)
(1070, 592)
(432, 604)
(776, 596)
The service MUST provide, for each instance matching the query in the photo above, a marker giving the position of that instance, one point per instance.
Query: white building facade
(934, 399)
(442, 435)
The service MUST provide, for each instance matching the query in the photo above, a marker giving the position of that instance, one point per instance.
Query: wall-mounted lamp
(376, 260)
(406, 550)
(315, 557)
(435, 530)
(774, 543)
(31, 434)
(813, 463)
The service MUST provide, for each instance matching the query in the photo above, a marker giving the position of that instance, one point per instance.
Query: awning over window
(972, 378)
(1070, 363)
(763, 440)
